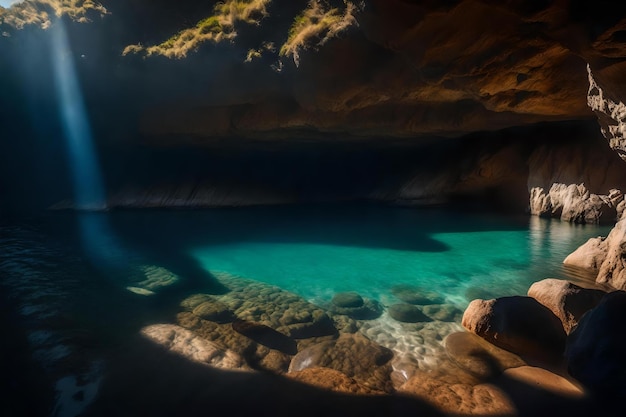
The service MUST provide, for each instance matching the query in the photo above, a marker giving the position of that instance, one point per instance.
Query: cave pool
(115, 272)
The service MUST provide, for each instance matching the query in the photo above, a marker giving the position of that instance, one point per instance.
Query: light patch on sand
(217, 28)
(41, 12)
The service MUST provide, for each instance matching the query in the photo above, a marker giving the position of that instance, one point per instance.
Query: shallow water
(84, 280)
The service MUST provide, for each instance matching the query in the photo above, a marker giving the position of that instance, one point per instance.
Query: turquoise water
(319, 251)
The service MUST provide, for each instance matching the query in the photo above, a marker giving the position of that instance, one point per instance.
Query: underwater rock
(345, 324)
(347, 300)
(459, 396)
(443, 312)
(478, 293)
(407, 313)
(266, 336)
(214, 311)
(332, 380)
(186, 343)
(566, 300)
(595, 348)
(518, 324)
(541, 379)
(370, 310)
(195, 300)
(353, 355)
(414, 295)
(478, 357)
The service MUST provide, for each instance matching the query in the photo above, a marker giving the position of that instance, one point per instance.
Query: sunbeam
(88, 187)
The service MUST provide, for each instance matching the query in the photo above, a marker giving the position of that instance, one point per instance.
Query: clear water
(113, 273)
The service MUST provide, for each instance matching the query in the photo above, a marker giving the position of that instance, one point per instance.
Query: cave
(324, 207)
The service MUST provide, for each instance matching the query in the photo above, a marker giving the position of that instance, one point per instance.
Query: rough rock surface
(604, 256)
(478, 357)
(186, 343)
(459, 397)
(332, 380)
(353, 355)
(595, 349)
(566, 300)
(518, 324)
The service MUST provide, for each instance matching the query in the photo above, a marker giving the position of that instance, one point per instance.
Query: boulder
(407, 313)
(518, 324)
(353, 355)
(347, 299)
(595, 349)
(184, 342)
(442, 312)
(544, 380)
(477, 357)
(415, 295)
(613, 268)
(369, 310)
(566, 300)
(589, 255)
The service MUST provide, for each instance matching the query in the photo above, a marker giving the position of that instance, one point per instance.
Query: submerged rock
(347, 300)
(353, 355)
(193, 347)
(518, 324)
(407, 313)
(566, 300)
(266, 336)
(414, 295)
(369, 310)
(478, 357)
(214, 311)
(332, 380)
(443, 312)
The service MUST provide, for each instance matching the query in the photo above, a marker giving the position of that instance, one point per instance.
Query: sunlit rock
(353, 355)
(566, 300)
(518, 324)
(184, 342)
(332, 380)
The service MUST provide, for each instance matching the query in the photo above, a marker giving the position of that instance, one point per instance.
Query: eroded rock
(518, 324)
(353, 355)
(566, 300)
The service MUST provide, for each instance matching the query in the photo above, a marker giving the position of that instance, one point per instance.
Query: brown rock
(518, 324)
(193, 347)
(266, 336)
(214, 311)
(478, 357)
(566, 300)
(459, 398)
(544, 380)
(332, 380)
(352, 354)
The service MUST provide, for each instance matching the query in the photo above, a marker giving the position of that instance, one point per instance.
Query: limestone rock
(353, 355)
(595, 349)
(414, 295)
(478, 357)
(589, 255)
(332, 380)
(407, 313)
(566, 300)
(184, 342)
(459, 398)
(613, 268)
(518, 324)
